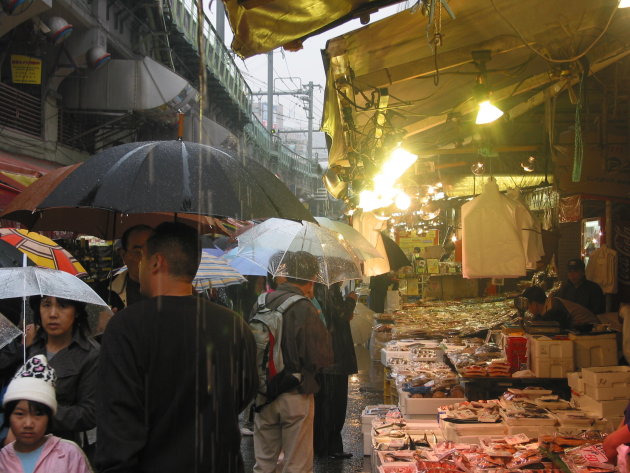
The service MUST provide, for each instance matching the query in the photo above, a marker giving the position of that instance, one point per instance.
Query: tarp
(261, 26)
(426, 95)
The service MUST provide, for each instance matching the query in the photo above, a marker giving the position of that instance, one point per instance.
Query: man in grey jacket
(286, 424)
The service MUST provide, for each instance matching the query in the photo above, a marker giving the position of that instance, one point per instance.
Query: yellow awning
(260, 26)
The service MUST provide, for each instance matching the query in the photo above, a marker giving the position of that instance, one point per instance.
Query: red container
(516, 353)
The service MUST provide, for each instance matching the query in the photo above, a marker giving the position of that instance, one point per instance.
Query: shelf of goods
(511, 453)
(525, 430)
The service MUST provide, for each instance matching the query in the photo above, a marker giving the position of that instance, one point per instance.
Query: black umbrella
(178, 177)
(395, 255)
(11, 257)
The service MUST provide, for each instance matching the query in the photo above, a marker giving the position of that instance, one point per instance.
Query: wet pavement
(365, 388)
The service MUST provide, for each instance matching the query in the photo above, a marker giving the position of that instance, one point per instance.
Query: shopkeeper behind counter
(569, 315)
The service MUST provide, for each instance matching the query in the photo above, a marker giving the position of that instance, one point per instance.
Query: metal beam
(426, 66)
(534, 82)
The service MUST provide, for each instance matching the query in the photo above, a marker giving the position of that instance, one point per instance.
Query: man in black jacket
(175, 371)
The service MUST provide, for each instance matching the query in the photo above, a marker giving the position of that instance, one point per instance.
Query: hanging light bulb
(478, 168)
(487, 113)
(403, 201)
(454, 238)
(529, 164)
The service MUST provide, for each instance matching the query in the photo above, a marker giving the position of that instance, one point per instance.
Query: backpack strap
(288, 302)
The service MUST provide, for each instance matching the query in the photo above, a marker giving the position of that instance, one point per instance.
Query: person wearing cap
(569, 315)
(580, 290)
(30, 405)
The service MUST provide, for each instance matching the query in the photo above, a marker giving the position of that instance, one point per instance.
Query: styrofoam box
(606, 376)
(551, 367)
(387, 356)
(423, 405)
(407, 467)
(576, 381)
(600, 393)
(366, 426)
(601, 408)
(532, 431)
(594, 350)
(544, 347)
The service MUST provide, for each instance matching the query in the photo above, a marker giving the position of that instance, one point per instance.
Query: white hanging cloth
(370, 227)
(530, 228)
(491, 242)
(602, 269)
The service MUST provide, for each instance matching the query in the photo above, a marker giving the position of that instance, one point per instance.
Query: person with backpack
(293, 345)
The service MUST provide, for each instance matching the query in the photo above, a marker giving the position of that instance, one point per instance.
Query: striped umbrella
(42, 250)
(215, 272)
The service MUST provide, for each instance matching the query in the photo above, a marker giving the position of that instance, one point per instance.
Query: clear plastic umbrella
(272, 244)
(33, 281)
(359, 244)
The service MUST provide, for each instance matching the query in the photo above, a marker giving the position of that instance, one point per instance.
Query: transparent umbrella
(273, 244)
(359, 244)
(33, 281)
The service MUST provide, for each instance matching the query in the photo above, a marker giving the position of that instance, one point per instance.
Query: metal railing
(20, 111)
(220, 63)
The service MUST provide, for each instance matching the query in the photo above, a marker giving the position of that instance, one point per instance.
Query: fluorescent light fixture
(487, 113)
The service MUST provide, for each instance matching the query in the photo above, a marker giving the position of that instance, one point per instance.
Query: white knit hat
(35, 381)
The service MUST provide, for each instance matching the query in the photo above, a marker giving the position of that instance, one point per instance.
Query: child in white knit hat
(30, 404)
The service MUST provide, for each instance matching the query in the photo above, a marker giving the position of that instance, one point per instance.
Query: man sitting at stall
(580, 290)
(569, 315)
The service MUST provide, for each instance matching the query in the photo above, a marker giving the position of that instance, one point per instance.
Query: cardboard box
(594, 350)
(601, 408)
(606, 376)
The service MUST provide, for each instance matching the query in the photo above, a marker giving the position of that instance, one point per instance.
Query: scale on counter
(542, 327)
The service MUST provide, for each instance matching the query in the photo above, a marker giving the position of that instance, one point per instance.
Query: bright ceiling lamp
(624, 4)
(394, 166)
(488, 113)
(402, 201)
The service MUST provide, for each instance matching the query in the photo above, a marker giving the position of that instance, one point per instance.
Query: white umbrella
(359, 244)
(272, 243)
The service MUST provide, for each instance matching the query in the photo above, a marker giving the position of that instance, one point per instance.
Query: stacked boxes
(605, 390)
(594, 350)
(368, 415)
(551, 358)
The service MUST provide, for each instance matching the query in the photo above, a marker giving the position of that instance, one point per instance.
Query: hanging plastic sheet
(492, 245)
(530, 228)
